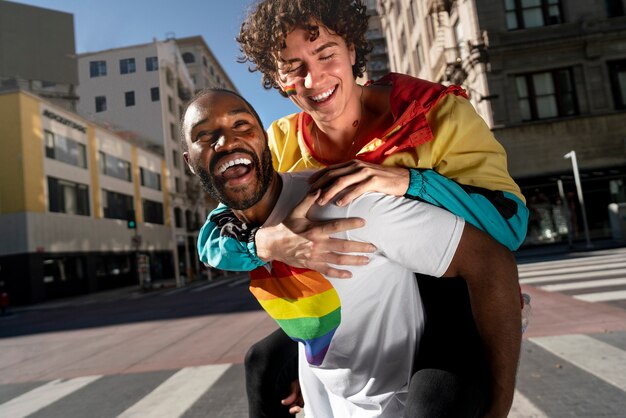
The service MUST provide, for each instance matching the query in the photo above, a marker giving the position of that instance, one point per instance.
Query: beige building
(142, 89)
(548, 76)
(67, 186)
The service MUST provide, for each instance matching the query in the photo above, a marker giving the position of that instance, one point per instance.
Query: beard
(246, 195)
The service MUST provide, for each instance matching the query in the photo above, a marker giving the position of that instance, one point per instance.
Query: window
(150, 178)
(178, 218)
(546, 95)
(614, 8)
(188, 58)
(152, 64)
(170, 104)
(522, 14)
(177, 185)
(175, 158)
(127, 65)
(68, 197)
(173, 131)
(129, 98)
(101, 103)
(152, 211)
(617, 72)
(117, 205)
(205, 62)
(65, 150)
(154, 94)
(97, 68)
(114, 167)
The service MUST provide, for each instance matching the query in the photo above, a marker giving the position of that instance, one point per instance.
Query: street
(177, 352)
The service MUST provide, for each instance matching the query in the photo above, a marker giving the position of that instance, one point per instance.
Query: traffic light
(130, 220)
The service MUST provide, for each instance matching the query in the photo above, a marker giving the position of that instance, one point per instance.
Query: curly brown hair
(262, 34)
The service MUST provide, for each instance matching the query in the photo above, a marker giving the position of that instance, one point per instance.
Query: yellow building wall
(94, 172)
(21, 160)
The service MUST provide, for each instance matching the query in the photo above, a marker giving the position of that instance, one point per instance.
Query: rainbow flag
(290, 90)
(303, 303)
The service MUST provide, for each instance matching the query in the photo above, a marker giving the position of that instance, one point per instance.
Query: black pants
(450, 377)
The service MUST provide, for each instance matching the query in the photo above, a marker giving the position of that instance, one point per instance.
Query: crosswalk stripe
(602, 296)
(607, 362)
(523, 408)
(174, 396)
(583, 285)
(572, 269)
(590, 259)
(42, 396)
(573, 276)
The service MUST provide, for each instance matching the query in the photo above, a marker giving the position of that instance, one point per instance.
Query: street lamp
(579, 191)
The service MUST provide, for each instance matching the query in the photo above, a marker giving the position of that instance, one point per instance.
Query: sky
(105, 24)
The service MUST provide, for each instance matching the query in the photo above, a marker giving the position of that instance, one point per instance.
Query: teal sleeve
(500, 214)
(226, 243)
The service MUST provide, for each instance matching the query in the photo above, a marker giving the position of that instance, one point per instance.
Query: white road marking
(602, 296)
(584, 285)
(174, 396)
(523, 408)
(42, 396)
(596, 357)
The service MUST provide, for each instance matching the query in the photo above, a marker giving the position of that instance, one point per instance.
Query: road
(178, 352)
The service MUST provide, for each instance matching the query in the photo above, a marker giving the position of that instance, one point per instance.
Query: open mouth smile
(319, 98)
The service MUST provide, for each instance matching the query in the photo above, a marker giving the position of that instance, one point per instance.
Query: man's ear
(352, 52)
(186, 158)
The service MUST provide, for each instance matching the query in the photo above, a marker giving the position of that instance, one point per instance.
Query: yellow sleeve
(464, 149)
(286, 147)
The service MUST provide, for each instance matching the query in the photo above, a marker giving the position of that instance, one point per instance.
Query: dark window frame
(101, 104)
(559, 94)
(80, 156)
(127, 66)
(117, 205)
(155, 94)
(150, 179)
(152, 64)
(518, 11)
(152, 211)
(615, 68)
(97, 68)
(56, 196)
(129, 98)
(106, 160)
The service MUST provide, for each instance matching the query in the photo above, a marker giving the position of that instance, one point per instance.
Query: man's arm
(491, 275)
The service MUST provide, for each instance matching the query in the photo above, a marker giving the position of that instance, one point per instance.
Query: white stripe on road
(574, 276)
(602, 296)
(583, 285)
(239, 282)
(596, 357)
(523, 408)
(572, 269)
(571, 262)
(209, 286)
(42, 396)
(174, 396)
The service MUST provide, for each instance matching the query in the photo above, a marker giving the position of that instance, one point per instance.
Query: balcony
(454, 72)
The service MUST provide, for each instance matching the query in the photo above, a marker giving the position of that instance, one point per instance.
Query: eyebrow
(230, 113)
(315, 52)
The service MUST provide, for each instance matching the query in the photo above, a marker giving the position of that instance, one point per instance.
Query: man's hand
(294, 401)
(300, 242)
(357, 177)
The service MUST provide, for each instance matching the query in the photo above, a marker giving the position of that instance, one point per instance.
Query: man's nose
(312, 77)
(225, 142)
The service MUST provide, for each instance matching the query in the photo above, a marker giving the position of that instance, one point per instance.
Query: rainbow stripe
(290, 90)
(303, 302)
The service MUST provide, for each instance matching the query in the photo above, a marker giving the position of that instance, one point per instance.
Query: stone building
(549, 77)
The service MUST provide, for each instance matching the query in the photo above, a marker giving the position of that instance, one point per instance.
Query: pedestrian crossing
(598, 276)
(569, 375)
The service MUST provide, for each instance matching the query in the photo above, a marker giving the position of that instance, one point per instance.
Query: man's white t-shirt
(365, 367)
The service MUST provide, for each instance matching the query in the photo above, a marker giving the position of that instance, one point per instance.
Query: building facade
(67, 187)
(549, 77)
(42, 60)
(142, 90)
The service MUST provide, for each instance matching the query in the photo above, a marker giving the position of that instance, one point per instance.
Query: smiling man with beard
(358, 337)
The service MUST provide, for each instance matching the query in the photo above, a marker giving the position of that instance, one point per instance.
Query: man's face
(317, 73)
(227, 149)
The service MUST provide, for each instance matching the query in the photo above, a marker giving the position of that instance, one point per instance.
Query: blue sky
(105, 24)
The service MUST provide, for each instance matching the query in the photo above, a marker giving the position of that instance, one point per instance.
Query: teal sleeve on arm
(227, 244)
(507, 223)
